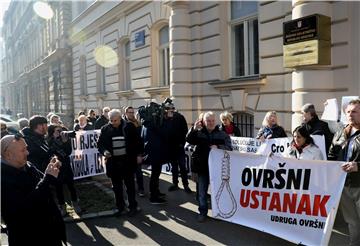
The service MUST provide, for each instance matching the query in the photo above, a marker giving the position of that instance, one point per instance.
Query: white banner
(293, 199)
(85, 159)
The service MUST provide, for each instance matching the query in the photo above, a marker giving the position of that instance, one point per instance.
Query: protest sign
(85, 160)
(331, 110)
(293, 199)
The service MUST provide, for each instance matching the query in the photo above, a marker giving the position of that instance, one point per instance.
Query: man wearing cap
(314, 125)
(177, 151)
(39, 151)
(27, 205)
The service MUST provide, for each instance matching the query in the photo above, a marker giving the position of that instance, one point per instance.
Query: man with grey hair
(314, 125)
(23, 122)
(122, 147)
(205, 137)
(103, 119)
(27, 205)
(346, 147)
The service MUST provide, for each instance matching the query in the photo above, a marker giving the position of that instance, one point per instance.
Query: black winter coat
(339, 148)
(319, 127)
(276, 131)
(177, 136)
(133, 146)
(28, 207)
(39, 151)
(100, 122)
(202, 139)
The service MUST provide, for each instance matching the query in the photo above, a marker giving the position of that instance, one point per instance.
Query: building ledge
(158, 90)
(84, 97)
(240, 82)
(100, 95)
(126, 94)
(57, 53)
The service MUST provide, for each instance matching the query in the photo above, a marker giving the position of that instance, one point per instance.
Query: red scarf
(300, 148)
(229, 129)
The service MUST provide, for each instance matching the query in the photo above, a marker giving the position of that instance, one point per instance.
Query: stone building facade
(210, 55)
(36, 67)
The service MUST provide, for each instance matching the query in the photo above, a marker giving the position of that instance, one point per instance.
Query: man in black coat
(37, 145)
(103, 119)
(314, 125)
(27, 205)
(122, 147)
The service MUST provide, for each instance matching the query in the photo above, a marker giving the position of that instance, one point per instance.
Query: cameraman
(156, 134)
(60, 145)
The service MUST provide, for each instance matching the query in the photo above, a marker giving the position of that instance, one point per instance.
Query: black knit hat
(37, 120)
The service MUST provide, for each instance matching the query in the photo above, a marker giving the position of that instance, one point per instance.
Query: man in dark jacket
(39, 151)
(205, 138)
(27, 205)
(314, 125)
(346, 147)
(177, 151)
(122, 148)
(103, 119)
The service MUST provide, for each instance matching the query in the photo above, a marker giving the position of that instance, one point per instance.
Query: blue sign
(140, 38)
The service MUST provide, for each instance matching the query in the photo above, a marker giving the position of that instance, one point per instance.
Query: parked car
(11, 124)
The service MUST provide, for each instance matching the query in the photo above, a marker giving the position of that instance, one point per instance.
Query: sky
(4, 4)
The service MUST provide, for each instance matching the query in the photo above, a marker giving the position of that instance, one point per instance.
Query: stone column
(180, 57)
(310, 84)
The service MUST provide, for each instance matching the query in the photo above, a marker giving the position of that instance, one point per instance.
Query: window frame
(233, 23)
(246, 128)
(163, 60)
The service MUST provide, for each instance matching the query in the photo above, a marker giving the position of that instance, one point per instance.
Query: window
(127, 72)
(245, 38)
(164, 59)
(245, 122)
(101, 79)
(83, 82)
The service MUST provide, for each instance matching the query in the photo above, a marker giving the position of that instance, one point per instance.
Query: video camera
(153, 113)
(68, 134)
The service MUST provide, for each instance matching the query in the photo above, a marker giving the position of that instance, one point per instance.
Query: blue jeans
(203, 185)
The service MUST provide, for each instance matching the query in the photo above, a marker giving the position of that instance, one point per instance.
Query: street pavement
(173, 224)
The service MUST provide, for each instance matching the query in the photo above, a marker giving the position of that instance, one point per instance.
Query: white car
(11, 124)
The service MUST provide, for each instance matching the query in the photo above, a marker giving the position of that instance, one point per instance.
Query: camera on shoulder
(68, 134)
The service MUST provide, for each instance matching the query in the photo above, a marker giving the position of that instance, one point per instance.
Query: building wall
(37, 78)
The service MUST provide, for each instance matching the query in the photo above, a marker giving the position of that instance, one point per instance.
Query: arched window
(164, 56)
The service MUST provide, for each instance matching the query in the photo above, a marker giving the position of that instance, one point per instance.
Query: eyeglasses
(130, 112)
(17, 137)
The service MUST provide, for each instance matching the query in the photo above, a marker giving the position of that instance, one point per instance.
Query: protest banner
(85, 160)
(293, 199)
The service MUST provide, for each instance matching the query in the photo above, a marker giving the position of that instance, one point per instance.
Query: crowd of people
(37, 158)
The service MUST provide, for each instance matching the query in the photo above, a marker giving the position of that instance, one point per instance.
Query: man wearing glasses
(27, 205)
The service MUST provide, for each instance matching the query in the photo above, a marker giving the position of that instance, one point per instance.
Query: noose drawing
(225, 177)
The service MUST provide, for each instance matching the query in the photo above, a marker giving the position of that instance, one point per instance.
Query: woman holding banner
(270, 127)
(303, 146)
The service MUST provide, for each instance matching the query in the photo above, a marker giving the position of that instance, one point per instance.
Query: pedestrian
(303, 147)
(27, 205)
(270, 127)
(4, 129)
(130, 118)
(60, 145)
(205, 136)
(314, 125)
(103, 119)
(55, 119)
(156, 134)
(91, 117)
(83, 124)
(177, 147)
(23, 122)
(346, 147)
(122, 148)
(37, 145)
(228, 126)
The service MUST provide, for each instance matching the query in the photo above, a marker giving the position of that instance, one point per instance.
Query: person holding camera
(37, 145)
(60, 144)
(122, 147)
(27, 205)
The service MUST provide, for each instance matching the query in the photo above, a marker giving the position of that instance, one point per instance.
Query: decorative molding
(158, 90)
(239, 83)
(125, 94)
